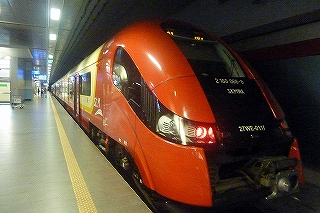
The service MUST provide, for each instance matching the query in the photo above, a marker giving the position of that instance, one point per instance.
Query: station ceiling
(83, 26)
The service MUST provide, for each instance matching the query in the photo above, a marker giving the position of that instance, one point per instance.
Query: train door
(77, 90)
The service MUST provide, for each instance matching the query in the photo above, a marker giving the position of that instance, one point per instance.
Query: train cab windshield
(210, 58)
(206, 55)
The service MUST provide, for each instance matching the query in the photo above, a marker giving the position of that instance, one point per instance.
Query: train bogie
(184, 114)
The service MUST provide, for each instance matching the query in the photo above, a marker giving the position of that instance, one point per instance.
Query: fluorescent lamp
(53, 37)
(55, 14)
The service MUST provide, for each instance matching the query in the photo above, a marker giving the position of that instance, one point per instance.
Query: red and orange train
(184, 114)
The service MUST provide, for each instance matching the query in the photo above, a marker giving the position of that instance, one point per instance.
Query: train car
(184, 115)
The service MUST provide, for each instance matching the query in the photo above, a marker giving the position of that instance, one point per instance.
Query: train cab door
(77, 90)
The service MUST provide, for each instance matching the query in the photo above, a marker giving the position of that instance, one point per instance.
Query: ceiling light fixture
(53, 37)
(55, 14)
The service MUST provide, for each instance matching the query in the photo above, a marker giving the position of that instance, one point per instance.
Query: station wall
(295, 82)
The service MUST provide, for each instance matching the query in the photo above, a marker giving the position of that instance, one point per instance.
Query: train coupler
(285, 182)
(276, 173)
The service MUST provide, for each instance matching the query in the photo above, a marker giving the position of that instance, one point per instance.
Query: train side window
(127, 78)
(86, 84)
(119, 76)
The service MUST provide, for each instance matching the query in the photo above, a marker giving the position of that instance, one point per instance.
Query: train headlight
(184, 131)
(166, 125)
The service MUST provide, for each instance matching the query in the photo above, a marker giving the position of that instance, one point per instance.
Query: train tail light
(205, 133)
(183, 131)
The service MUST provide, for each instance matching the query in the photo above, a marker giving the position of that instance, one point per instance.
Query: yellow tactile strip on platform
(82, 194)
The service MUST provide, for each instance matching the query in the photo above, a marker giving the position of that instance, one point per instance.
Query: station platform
(48, 164)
